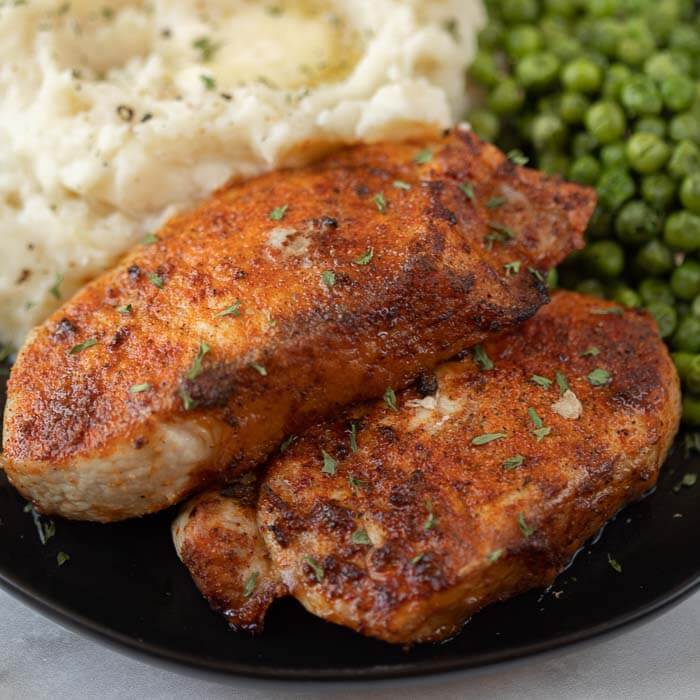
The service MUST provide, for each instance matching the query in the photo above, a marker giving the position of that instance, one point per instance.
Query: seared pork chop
(404, 518)
(269, 307)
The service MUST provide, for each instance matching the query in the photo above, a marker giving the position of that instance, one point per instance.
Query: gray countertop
(661, 659)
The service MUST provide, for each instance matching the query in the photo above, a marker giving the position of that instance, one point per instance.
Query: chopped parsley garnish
(156, 280)
(518, 157)
(512, 268)
(537, 421)
(614, 311)
(390, 399)
(614, 564)
(330, 465)
(482, 359)
(496, 202)
(150, 239)
(233, 310)
(360, 537)
(277, 214)
(524, 527)
(418, 558)
(250, 584)
(541, 381)
(495, 555)
(513, 462)
(328, 278)
(380, 202)
(424, 156)
(206, 47)
(353, 437)
(487, 437)
(355, 482)
(401, 185)
(366, 258)
(139, 388)
(287, 443)
(188, 403)
(500, 234)
(689, 480)
(431, 520)
(540, 431)
(45, 530)
(536, 274)
(126, 309)
(467, 190)
(62, 558)
(562, 383)
(196, 368)
(593, 351)
(315, 567)
(208, 82)
(55, 288)
(260, 369)
(599, 377)
(83, 346)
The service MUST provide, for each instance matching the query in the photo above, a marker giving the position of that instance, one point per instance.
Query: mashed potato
(114, 115)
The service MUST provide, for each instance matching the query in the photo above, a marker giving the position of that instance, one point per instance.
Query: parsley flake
(689, 480)
(390, 399)
(206, 47)
(487, 438)
(188, 403)
(593, 351)
(524, 527)
(139, 388)
(250, 584)
(518, 157)
(613, 311)
(149, 239)
(330, 465)
(355, 483)
(55, 288)
(360, 537)
(424, 156)
(513, 462)
(401, 185)
(536, 420)
(366, 258)
(494, 556)
(196, 368)
(467, 190)
(260, 369)
(233, 310)
(431, 520)
(380, 202)
(562, 383)
(496, 202)
(315, 567)
(208, 82)
(287, 443)
(541, 433)
(45, 530)
(353, 437)
(328, 278)
(482, 359)
(614, 564)
(599, 377)
(156, 280)
(418, 558)
(536, 274)
(126, 309)
(90, 342)
(512, 268)
(541, 381)
(277, 214)
(62, 558)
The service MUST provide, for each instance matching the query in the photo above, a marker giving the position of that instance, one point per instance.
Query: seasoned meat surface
(269, 307)
(402, 519)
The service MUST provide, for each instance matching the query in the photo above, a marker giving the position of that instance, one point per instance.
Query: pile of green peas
(607, 94)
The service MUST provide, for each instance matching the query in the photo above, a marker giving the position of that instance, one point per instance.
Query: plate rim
(190, 665)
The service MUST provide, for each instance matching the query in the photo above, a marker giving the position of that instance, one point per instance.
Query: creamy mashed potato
(116, 114)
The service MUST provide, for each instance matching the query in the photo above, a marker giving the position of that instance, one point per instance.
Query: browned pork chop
(269, 307)
(404, 518)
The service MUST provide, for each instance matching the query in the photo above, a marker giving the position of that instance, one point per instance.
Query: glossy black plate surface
(123, 583)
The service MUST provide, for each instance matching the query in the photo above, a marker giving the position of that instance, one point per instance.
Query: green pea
(522, 40)
(581, 75)
(491, 36)
(690, 192)
(654, 290)
(537, 70)
(605, 121)
(607, 36)
(548, 131)
(687, 335)
(637, 223)
(685, 126)
(665, 316)
(695, 307)
(519, 10)
(626, 296)
(583, 143)
(591, 287)
(604, 258)
(614, 155)
(683, 60)
(636, 46)
(602, 8)
(573, 107)
(585, 170)
(692, 378)
(691, 410)
(640, 96)
(685, 159)
(553, 278)
(685, 38)
(652, 125)
(507, 97)
(485, 124)
(661, 17)
(561, 8)
(678, 92)
(654, 258)
(661, 66)
(682, 231)
(485, 70)
(600, 224)
(564, 47)
(685, 280)
(615, 79)
(553, 162)
(658, 190)
(647, 153)
(682, 360)
(614, 188)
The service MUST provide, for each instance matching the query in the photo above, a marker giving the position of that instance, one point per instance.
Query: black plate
(124, 584)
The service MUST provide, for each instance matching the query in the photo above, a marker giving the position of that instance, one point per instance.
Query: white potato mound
(114, 115)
